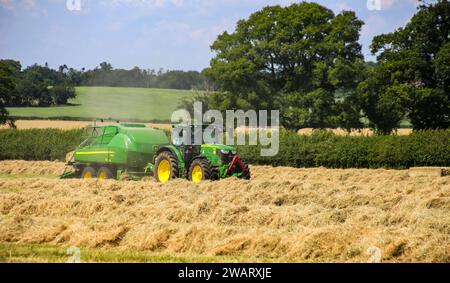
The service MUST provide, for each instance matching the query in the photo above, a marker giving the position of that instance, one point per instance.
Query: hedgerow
(422, 148)
(38, 144)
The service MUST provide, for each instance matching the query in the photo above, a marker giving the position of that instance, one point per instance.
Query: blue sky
(169, 34)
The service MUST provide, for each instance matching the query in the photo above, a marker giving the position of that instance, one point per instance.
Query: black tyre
(246, 171)
(104, 173)
(88, 173)
(166, 167)
(200, 170)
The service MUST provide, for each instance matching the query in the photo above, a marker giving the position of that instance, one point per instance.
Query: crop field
(143, 104)
(282, 214)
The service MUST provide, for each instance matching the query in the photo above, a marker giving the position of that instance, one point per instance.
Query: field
(69, 125)
(282, 214)
(142, 104)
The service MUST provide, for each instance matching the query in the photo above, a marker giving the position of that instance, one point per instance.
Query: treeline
(422, 148)
(306, 61)
(106, 75)
(33, 86)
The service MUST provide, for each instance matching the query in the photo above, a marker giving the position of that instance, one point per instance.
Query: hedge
(38, 144)
(423, 148)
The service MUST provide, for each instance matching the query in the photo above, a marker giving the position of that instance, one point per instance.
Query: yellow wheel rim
(87, 175)
(102, 175)
(197, 174)
(164, 171)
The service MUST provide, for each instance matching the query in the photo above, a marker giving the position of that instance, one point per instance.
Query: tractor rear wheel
(200, 170)
(88, 173)
(166, 167)
(104, 173)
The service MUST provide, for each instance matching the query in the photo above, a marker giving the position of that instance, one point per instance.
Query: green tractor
(109, 152)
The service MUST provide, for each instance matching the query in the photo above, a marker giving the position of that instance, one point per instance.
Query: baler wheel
(166, 167)
(88, 173)
(104, 173)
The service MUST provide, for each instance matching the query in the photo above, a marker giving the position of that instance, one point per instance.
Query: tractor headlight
(223, 151)
(234, 152)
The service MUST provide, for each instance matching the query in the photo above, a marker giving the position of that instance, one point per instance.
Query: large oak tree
(302, 59)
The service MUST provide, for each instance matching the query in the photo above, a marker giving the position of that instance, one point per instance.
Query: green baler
(109, 151)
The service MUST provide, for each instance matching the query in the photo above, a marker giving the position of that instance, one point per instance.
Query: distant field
(120, 103)
(69, 125)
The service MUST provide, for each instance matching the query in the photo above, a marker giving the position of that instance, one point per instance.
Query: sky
(152, 34)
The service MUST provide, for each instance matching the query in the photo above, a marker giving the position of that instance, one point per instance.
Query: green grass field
(118, 103)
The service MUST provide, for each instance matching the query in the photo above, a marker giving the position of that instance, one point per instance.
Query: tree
(105, 67)
(62, 93)
(9, 73)
(383, 105)
(34, 86)
(301, 59)
(415, 62)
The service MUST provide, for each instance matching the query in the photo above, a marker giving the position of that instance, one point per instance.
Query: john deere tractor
(110, 152)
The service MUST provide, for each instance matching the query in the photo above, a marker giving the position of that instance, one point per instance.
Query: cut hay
(282, 214)
(31, 167)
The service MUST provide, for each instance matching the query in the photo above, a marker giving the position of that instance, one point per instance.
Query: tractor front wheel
(200, 170)
(166, 167)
